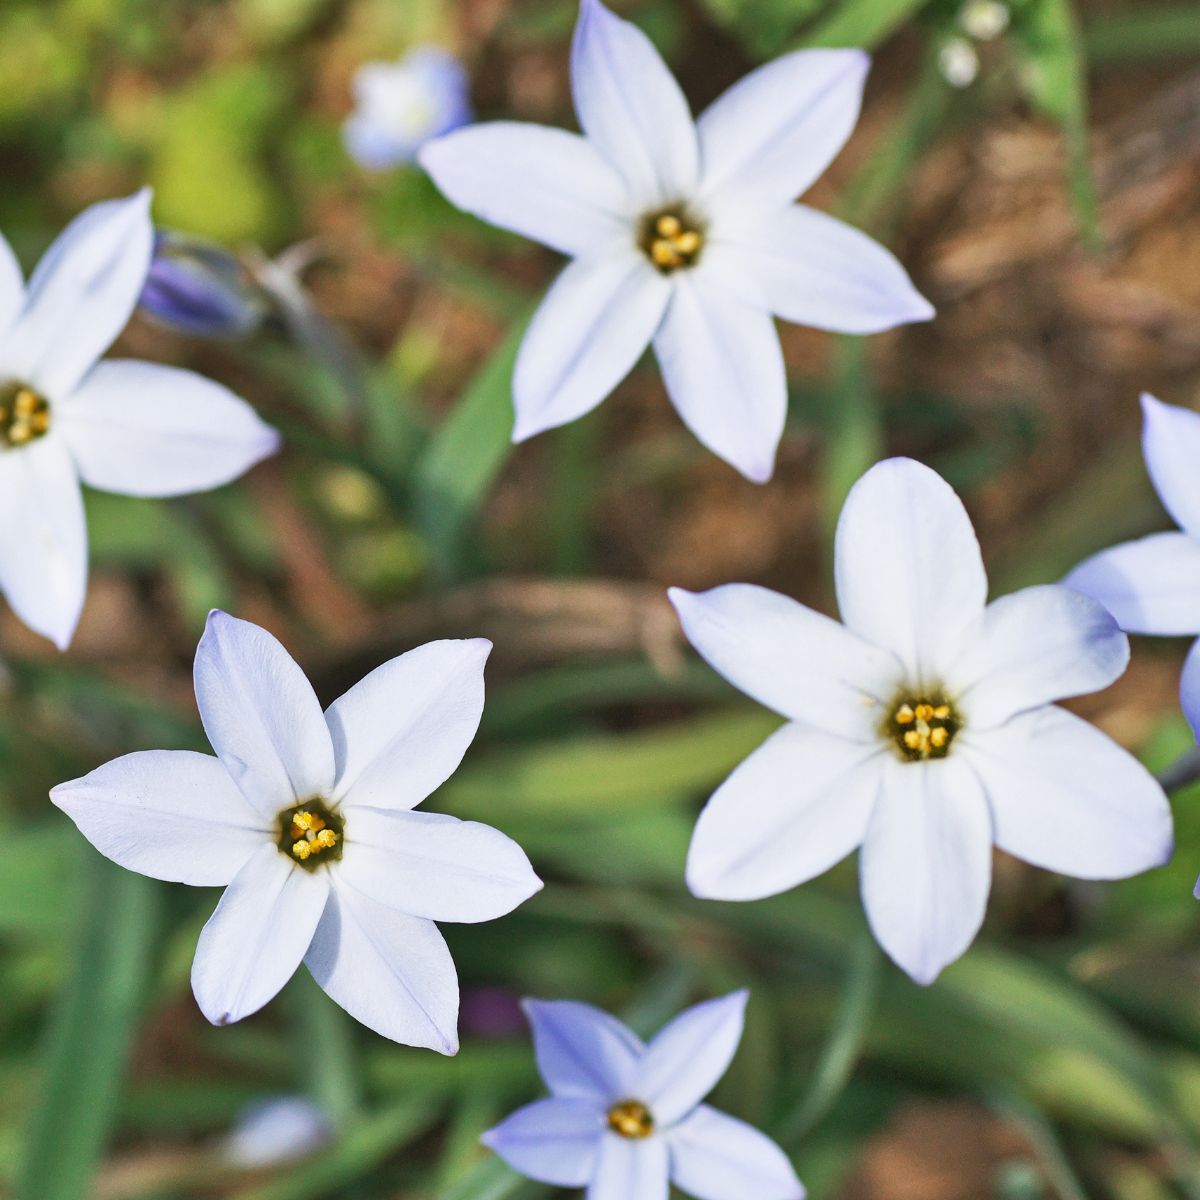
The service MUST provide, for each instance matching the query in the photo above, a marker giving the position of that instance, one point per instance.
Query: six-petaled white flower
(921, 730)
(682, 233)
(121, 426)
(1152, 585)
(625, 1120)
(307, 820)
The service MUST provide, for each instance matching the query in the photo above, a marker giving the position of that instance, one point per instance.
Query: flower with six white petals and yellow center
(626, 1119)
(921, 730)
(683, 234)
(307, 820)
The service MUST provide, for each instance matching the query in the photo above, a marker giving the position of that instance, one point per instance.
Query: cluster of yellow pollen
(925, 729)
(672, 243)
(24, 415)
(310, 835)
(631, 1119)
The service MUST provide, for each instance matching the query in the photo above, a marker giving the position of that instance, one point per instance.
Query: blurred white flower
(921, 730)
(1152, 585)
(682, 234)
(401, 105)
(958, 61)
(625, 1120)
(984, 20)
(278, 1130)
(121, 426)
(306, 819)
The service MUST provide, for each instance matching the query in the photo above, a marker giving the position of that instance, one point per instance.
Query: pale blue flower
(625, 1119)
(66, 418)
(277, 1130)
(921, 730)
(401, 105)
(307, 819)
(1152, 585)
(682, 233)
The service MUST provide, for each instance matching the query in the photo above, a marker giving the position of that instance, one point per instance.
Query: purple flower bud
(199, 289)
(401, 105)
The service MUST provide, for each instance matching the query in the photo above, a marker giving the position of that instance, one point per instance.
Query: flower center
(24, 415)
(671, 239)
(923, 727)
(631, 1119)
(310, 834)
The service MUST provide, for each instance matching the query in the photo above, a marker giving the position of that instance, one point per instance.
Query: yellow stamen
(631, 1119)
(671, 240)
(905, 715)
(24, 415)
(926, 728)
(315, 829)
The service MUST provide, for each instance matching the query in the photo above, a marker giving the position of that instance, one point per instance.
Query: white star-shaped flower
(625, 1120)
(1152, 585)
(682, 233)
(922, 729)
(306, 818)
(121, 426)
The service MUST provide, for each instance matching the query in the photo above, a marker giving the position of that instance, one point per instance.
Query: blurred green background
(1043, 187)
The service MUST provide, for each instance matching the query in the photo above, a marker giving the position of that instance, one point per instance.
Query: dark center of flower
(631, 1119)
(671, 239)
(922, 727)
(24, 415)
(310, 834)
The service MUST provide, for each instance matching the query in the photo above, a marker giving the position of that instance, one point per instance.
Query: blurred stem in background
(87, 1041)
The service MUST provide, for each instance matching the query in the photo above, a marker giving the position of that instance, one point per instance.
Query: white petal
(1037, 645)
(43, 538)
(723, 369)
(1067, 798)
(555, 1141)
(146, 430)
(170, 814)
(583, 1053)
(907, 564)
(684, 1062)
(587, 334)
(796, 661)
(1189, 689)
(546, 184)
(12, 286)
(799, 804)
(401, 732)
(81, 296)
(1150, 586)
(715, 1157)
(926, 863)
(631, 1169)
(630, 106)
(257, 937)
(816, 270)
(772, 134)
(261, 716)
(434, 866)
(391, 972)
(1171, 444)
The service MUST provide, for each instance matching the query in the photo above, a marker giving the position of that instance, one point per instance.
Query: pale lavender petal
(1171, 444)
(715, 1157)
(583, 1053)
(12, 286)
(631, 1169)
(555, 1141)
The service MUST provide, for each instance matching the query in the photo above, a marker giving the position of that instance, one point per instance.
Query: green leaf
(464, 457)
(864, 23)
(88, 1038)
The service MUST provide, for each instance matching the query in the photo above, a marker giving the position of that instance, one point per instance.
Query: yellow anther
(24, 415)
(905, 715)
(926, 727)
(663, 254)
(913, 739)
(942, 711)
(688, 243)
(671, 239)
(924, 712)
(669, 225)
(939, 737)
(301, 849)
(327, 838)
(631, 1119)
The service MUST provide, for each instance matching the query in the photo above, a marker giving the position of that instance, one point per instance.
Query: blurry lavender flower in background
(491, 1012)
(682, 233)
(401, 105)
(280, 1129)
(921, 729)
(625, 1119)
(199, 289)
